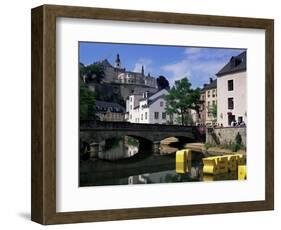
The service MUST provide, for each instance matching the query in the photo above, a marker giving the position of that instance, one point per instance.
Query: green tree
(162, 83)
(87, 103)
(82, 70)
(93, 72)
(181, 99)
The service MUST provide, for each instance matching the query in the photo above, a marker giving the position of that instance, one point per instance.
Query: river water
(124, 161)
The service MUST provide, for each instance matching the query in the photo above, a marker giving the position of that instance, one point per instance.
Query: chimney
(211, 80)
(146, 94)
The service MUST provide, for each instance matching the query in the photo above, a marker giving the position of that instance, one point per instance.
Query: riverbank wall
(225, 135)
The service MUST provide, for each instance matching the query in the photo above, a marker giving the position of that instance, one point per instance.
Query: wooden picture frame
(43, 208)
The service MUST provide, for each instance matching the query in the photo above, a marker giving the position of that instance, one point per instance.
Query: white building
(208, 97)
(150, 109)
(231, 92)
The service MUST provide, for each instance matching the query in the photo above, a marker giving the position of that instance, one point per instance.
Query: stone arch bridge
(91, 133)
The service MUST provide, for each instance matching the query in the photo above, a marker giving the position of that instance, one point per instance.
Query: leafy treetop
(182, 98)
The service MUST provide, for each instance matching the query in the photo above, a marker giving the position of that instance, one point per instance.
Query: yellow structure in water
(241, 159)
(227, 167)
(242, 172)
(224, 164)
(210, 165)
(222, 176)
(215, 165)
(183, 161)
(232, 163)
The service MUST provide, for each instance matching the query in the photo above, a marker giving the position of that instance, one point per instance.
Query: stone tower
(142, 70)
(117, 62)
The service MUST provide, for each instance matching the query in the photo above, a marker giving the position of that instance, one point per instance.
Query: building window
(214, 103)
(164, 115)
(131, 98)
(230, 103)
(171, 119)
(231, 118)
(161, 103)
(131, 107)
(141, 116)
(208, 93)
(156, 115)
(213, 92)
(240, 120)
(230, 85)
(130, 116)
(145, 115)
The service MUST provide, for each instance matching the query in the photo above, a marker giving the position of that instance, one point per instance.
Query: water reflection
(118, 148)
(122, 161)
(139, 179)
(168, 176)
(226, 176)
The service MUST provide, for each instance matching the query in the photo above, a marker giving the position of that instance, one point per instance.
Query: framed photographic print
(141, 114)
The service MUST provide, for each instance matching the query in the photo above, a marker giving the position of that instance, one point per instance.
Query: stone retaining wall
(226, 135)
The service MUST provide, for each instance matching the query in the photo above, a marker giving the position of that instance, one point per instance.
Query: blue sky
(198, 64)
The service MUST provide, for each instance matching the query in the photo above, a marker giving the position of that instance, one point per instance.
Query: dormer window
(232, 62)
(235, 62)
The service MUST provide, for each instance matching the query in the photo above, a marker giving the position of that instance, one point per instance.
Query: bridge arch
(148, 134)
(144, 142)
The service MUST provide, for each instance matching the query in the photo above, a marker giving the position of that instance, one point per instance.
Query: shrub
(238, 139)
(208, 145)
(215, 138)
(234, 147)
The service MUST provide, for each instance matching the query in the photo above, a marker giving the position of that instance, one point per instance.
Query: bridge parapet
(99, 125)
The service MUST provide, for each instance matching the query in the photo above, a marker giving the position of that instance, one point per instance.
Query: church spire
(117, 61)
(142, 70)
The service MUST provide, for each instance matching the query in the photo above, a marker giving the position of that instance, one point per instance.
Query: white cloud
(193, 69)
(178, 70)
(191, 51)
(198, 64)
(146, 63)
